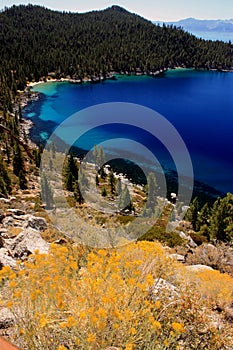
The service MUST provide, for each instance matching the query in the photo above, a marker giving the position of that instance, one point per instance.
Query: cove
(199, 105)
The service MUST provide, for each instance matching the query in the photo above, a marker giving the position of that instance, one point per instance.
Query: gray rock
(3, 231)
(6, 318)
(6, 259)
(2, 215)
(17, 212)
(17, 218)
(182, 235)
(27, 242)
(199, 268)
(60, 241)
(5, 200)
(161, 286)
(36, 223)
(178, 257)
(8, 221)
(189, 240)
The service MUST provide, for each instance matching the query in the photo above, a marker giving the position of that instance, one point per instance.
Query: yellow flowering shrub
(74, 299)
(216, 287)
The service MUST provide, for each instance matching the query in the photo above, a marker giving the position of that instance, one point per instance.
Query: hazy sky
(165, 10)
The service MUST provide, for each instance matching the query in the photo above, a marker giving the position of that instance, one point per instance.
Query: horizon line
(108, 7)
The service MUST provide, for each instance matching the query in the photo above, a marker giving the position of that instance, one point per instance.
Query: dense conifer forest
(35, 41)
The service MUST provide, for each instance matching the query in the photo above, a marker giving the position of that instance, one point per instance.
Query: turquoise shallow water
(199, 104)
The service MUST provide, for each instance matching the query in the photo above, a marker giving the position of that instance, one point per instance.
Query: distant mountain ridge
(192, 24)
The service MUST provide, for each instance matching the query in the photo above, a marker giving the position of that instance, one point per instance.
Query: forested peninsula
(35, 41)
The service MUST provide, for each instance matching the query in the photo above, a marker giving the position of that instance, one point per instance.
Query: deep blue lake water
(199, 104)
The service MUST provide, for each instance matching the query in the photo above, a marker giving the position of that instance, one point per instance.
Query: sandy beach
(32, 84)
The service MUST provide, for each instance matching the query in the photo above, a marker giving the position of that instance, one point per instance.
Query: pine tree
(5, 181)
(53, 150)
(112, 182)
(192, 213)
(71, 173)
(97, 180)
(18, 163)
(152, 192)
(102, 173)
(20, 113)
(46, 193)
(69, 180)
(203, 217)
(221, 223)
(71, 167)
(104, 192)
(22, 180)
(77, 193)
(37, 157)
(125, 202)
(3, 189)
(119, 187)
(50, 164)
(99, 156)
(83, 180)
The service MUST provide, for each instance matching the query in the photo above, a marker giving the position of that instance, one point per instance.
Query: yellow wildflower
(18, 293)
(132, 331)
(102, 313)
(77, 341)
(12, 284)
(178, 327)
(91, 338)
(156, 325)
(12, 275)
(9, 304)
(71, 322)
(43, 321)
(149, 279)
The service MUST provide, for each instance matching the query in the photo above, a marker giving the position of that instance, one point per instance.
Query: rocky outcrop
(18, 218)
(26, 243)
(36, 223)
(6, 318)
(17, 212)
(20, 237)
(190, 241)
